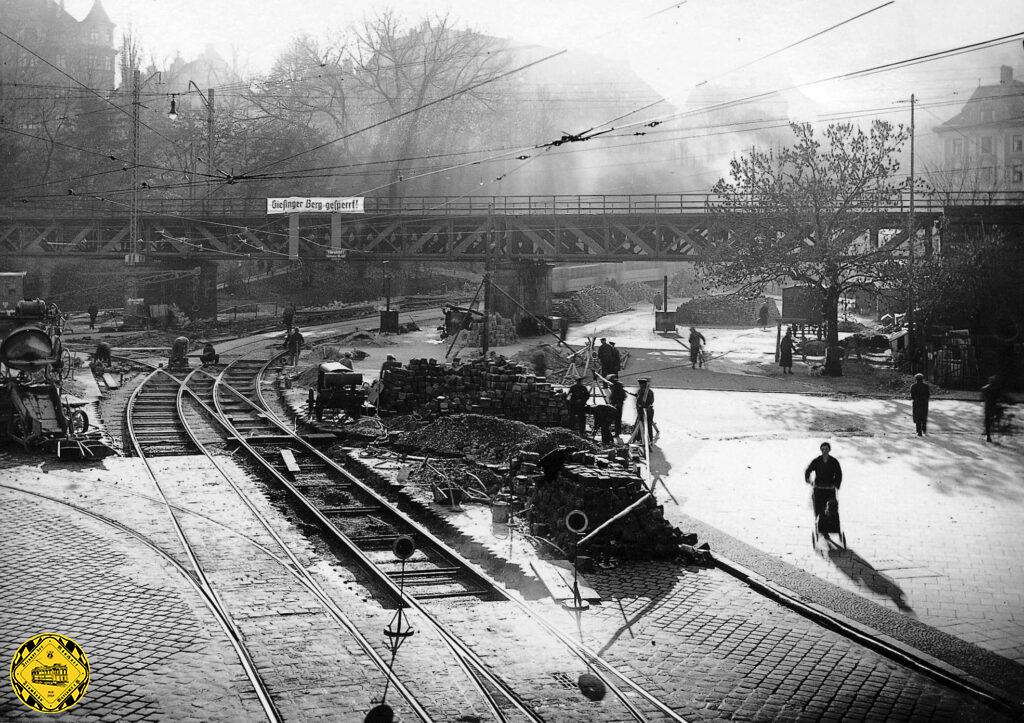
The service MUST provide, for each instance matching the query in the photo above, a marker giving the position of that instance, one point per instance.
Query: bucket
(499, 512)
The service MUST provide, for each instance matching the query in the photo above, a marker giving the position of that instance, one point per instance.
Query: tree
(805, 214)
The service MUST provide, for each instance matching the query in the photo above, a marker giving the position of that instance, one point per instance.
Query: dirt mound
(723, 311)
(486, 438)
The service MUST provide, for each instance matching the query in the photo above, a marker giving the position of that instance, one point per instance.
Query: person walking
(920, 393)
(617, 398)
(762, 316)
(786, 348)
(579, 395)
(616, 358)
(288, 316)
(93, 311)
(294, 344)
(645, 406)
(696, 340)
(990, 394)
(828, 476)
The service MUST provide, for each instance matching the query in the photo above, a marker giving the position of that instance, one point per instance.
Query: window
(1018, 174)
(958, 146)
(986, 144)
(986, 115)
(1018, 144)
(94, 35)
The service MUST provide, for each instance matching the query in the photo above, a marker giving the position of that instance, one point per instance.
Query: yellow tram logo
(50, 673)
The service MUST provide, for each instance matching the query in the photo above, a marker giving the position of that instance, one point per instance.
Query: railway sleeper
(471, 592)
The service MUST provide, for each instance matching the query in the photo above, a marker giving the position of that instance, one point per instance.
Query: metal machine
(34, 411)
(338, 387)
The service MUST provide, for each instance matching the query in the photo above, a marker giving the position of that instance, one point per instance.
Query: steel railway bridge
(546, 229)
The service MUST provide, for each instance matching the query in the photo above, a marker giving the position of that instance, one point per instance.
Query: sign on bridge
(315, 204)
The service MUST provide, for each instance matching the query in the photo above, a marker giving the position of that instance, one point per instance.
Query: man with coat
(920, 393)
(606, 356)
(828, 476)
(645, 406)
(696, 340)
(579, 395)
(294, 344)
(94, 311)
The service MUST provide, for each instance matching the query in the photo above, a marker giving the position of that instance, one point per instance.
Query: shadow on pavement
(660, 467)
(864, 575)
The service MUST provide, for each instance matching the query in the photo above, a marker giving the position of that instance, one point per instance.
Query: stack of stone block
(492, 387)
(500, 332)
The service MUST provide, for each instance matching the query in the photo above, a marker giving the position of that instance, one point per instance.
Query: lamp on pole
(208, 102)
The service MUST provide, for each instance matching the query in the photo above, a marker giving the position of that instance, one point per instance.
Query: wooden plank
(289, 461)
(110, 381)
(557, 578)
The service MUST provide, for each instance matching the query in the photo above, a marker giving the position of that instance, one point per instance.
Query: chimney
(1005, 74)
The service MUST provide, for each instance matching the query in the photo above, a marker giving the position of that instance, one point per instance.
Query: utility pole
(485, 336)
(133, 223)
(912, 238)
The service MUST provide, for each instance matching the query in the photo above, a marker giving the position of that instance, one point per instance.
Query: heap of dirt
(590, 304)
(491, 439)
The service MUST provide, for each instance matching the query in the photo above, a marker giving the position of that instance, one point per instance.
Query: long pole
(912, 238)
(133, 224)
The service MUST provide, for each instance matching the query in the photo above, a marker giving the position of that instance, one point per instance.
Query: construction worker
(294, 346)
(616, 397)
(93, 311)
(179, 353)
(696, 340)
(209, 356)
(604, 417)
(606, 356)
(389, 363)
(645, 406)
(579, 395)
(288, 316)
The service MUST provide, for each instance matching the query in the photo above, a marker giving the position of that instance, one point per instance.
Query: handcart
(826, 514)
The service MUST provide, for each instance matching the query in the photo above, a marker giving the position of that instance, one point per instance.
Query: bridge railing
(669, 203)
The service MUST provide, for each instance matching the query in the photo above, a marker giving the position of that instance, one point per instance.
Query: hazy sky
(671, 46)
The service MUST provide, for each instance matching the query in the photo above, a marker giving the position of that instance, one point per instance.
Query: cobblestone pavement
(155, 650)
(932, 523)
(716, 650)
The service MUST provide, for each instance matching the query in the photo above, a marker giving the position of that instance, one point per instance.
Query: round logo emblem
(50, 673)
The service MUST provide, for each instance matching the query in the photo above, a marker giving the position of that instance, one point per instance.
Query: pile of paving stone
(601, 486)
(590, 304)
(725, 311)
(484, 438)
(500, 332)
(637, 291)
(495, 387)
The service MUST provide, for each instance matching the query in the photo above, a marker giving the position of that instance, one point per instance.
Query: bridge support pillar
(528, 282)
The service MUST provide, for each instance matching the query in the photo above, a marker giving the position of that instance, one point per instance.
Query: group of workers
(607, 412)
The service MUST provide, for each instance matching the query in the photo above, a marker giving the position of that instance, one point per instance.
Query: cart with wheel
(826, 514)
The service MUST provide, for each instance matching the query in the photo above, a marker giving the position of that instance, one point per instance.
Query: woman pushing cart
(828, 476)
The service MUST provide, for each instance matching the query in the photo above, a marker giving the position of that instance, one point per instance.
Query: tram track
(315, 493)
(198, 385)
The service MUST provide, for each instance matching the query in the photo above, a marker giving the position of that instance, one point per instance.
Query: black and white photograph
(466, 361)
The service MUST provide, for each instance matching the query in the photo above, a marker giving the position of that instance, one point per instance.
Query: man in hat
(389, 363)
(604, 417)
(616, 397)
(606, 357)
(920, 393)
(696, 340)
(645, 406)
(579, 395)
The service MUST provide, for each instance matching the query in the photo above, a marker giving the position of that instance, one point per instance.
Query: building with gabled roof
(983, 144)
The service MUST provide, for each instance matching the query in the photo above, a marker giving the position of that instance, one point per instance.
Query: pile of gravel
(723, 311)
